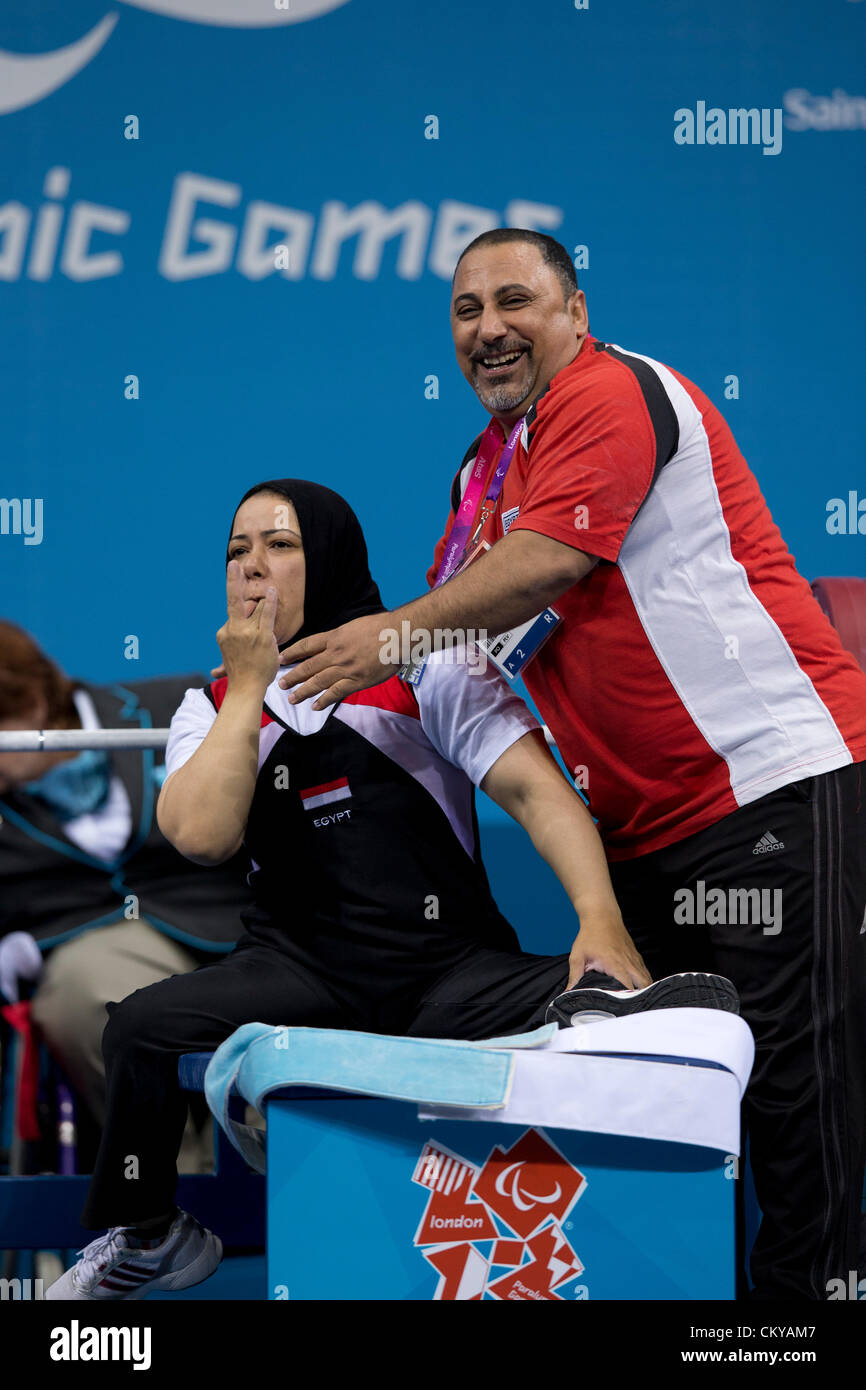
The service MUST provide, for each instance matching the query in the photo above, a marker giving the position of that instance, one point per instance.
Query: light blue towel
(259, 1058)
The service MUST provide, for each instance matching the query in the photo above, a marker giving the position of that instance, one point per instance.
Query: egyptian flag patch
(323, 795)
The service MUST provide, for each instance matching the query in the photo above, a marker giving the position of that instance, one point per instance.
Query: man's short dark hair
(552, 253)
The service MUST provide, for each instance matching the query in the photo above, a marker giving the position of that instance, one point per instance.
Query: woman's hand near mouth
(246, 639)
(203, 806)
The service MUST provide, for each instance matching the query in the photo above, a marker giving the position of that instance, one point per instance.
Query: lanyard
(458, 539)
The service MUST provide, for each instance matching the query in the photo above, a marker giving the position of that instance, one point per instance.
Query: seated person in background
(84, 868)
(372, 908)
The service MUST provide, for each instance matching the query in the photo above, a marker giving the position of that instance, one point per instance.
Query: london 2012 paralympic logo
(26, 78)
(497, 1230)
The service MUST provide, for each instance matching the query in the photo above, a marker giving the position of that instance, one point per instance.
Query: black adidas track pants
(796, 951)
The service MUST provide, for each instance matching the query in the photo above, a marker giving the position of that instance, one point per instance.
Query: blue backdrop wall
(155, 362)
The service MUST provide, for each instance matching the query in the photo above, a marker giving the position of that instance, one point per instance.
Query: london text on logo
(495, 1230)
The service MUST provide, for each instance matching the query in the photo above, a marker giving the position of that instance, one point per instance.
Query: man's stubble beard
(502, 399)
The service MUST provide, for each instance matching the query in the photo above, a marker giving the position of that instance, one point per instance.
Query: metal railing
(79, 740)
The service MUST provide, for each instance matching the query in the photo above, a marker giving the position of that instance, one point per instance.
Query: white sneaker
(112, 1268)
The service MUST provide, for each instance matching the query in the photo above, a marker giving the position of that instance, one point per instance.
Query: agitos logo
(26, 78)
(497, 1230)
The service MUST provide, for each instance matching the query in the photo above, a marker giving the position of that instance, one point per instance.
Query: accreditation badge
(511, 652)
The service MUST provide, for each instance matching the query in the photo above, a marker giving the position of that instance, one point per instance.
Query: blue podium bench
(490, 1191)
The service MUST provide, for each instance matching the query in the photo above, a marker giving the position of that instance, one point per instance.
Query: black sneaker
(596, 997)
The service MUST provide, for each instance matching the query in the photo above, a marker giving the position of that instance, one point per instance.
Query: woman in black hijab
(356, 819)
(339, 586)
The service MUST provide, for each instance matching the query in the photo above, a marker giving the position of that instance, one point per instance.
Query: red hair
(27, 675)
